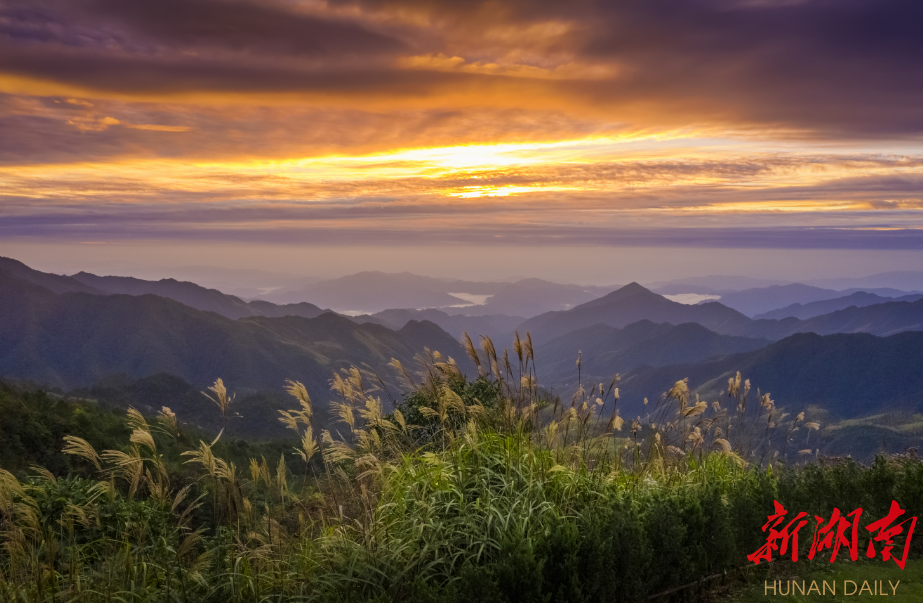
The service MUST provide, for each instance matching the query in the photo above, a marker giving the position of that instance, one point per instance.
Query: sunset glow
(591, 121)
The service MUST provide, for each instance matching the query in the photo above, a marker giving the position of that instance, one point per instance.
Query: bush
(471, 490)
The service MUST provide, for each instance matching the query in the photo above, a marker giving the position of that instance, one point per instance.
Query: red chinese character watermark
(786, 533)
(833, 535)
(886, 534)
(828, 538)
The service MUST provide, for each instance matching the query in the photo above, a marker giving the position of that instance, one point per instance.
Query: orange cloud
(408, 115)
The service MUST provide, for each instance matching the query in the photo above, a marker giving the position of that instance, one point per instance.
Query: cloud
(255, 28)
(771, 200)
(157, 128)
(737, 122)
(124, 227)
(842, 66)
(827, 68)
(538, 177)
(37, 130)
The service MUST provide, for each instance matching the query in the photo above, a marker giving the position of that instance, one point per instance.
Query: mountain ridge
(53, 282)
(850, 374)
(195, 296)
(607, 350)
(74, 339)
(633, 303)
(859, 299)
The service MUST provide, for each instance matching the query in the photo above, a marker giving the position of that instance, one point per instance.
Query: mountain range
(372, 292)
(381, 292)
(189, 294)
(850, 375)
(714, 283)
(763, 300)
(125, 338)
(902, 280)
(532, 296)
(630, 304)
(195, 296)
(52, 282)
(499, 327)
(633, 303)
(897, 279)
(606, 350)
(369, 292)
(859, 299)
(73, 339)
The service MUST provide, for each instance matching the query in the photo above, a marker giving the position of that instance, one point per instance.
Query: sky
(585, 140)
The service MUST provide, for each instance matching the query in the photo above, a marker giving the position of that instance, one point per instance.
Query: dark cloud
(853, 66)
(163, 75)
(827, 68)
(484, 13)
(169, 26)
(257, 27)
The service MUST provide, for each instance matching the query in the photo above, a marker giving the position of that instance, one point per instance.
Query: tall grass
(467, 489)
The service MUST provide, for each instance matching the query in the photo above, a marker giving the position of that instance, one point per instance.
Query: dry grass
(382, 490)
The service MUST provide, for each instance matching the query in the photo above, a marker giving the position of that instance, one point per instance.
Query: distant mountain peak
(53, 282)
(633, 303)
(630, 290)
(633, 287)
(422, 326)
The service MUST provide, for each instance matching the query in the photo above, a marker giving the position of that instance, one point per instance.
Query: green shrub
(470, 490)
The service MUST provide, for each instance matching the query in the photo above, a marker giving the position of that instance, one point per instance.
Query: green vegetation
(864, 438)
(470, 490)
(35, 423)
(253, 415)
